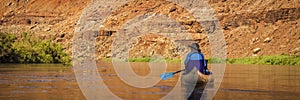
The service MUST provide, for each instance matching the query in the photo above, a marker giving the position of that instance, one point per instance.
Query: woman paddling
(196, 73)
(195, 59)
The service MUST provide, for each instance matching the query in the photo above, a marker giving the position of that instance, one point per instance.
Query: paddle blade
(166, 75)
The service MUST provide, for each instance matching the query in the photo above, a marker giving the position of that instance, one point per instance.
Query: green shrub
(30, 49)
(6, 49)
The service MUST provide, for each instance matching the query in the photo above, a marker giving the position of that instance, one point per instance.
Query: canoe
(194, 76)
(193, 83)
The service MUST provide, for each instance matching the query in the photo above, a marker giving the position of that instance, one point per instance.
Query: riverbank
(260, 60)
(28, 48)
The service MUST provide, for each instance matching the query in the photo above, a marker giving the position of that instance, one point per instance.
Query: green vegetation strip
(146, 59)
(30, 49)
(268, 60)
(261, 60)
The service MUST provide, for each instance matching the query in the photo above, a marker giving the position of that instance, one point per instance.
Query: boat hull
(193, 84)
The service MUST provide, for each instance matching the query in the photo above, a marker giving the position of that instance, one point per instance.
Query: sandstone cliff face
(272, 26)
(251, 27)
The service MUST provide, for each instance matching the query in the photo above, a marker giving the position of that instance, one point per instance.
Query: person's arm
(187, 58)
(203, 59)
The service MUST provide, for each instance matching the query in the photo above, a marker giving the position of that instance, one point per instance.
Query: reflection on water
(260, 82)
(125, 91)
(30, 82)
(58, 82)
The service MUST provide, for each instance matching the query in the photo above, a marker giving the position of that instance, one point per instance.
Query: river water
(247, 82)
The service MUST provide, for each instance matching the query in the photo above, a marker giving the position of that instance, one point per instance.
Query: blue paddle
(168, 75)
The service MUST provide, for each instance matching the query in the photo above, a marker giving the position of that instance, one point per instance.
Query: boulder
(256, 50)
(296, 51)
(267, 40)
(173, 8)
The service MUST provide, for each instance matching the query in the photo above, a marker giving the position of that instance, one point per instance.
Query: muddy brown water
(248, 82)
